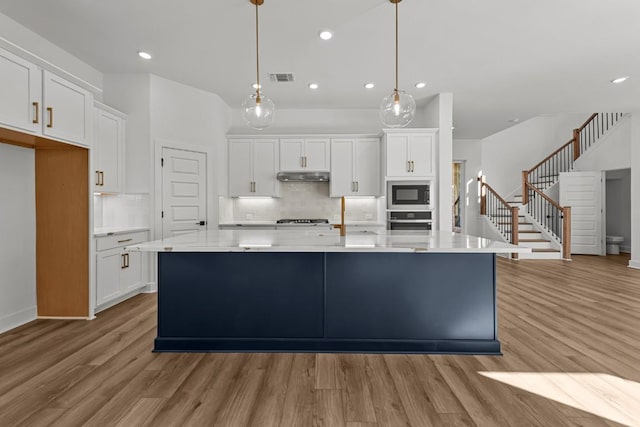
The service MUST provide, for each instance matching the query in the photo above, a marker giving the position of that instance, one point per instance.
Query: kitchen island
(314, 291)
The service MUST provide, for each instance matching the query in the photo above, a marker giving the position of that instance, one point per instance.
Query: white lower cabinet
(119, 272)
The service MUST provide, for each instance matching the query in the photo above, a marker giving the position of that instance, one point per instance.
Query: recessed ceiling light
(144, 55)
(421, 85)
(256, 86)
(313, 86)
(326, 34)
(369, 85)
(620, 79)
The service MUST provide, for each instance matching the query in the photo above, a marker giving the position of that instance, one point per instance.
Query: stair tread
(534, 240)
(529, 231)
(544, 250)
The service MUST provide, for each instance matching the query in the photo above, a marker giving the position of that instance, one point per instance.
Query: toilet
(613, 244)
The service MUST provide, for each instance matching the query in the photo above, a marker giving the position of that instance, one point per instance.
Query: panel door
(342, 182)
(109, 156)
(583, 192)
(397, 155)
(316, 153)
(291, 155)
(265, 167)
(421, 153)
(184, 191)
(367, 169)
(108, 275)
(131, 275)
(67, 110)
(240, 168)
(20, 93)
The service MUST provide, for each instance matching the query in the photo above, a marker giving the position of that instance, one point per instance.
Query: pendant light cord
(396, 89)
(257, 57)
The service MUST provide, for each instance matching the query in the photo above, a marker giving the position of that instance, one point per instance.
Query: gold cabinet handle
(408, 166)
(102, 178)
(36, 116)
(357, 186)
(413, 166)
(126, 258)
(122, 262)
(305, 161)
(301, 161)
(97, 178)
(125, 240)
(50, 111)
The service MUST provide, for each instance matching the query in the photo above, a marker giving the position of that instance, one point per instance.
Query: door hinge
(162, 162)
(162, 214)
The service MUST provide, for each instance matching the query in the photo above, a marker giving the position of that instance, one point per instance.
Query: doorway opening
(457, 208)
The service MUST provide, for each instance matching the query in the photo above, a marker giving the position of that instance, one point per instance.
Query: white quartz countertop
(108, 231)
(274, 223)
(326, 241)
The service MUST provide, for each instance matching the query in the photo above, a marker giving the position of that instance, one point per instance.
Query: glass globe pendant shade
(398, 109)
(258, 111)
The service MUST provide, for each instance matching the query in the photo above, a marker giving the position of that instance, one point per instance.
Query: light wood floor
(570, 335)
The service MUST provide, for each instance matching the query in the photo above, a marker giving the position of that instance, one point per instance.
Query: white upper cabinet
(355, 167)
(20, 94)
(68, 110)
(253, 165)
(304, 154)
(109, 150)
(41, 103)
(410, 153)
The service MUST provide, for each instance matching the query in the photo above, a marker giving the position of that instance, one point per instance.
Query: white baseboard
(151, 288)
(634, 263)
(19, 318)
(625, 249)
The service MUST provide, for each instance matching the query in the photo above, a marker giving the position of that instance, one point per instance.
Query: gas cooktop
(302, 221)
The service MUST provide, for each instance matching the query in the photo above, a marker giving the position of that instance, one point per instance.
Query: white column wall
(17, 236)
(635, 190)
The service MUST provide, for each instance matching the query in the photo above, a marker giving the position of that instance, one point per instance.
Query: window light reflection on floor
(603, 395)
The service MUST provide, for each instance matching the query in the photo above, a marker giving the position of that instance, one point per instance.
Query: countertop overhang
(326, 241)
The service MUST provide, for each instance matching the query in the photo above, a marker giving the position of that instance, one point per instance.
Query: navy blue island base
(360, 302)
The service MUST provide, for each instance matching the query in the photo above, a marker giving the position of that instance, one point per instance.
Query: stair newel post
(566, 233)
(483, 195)
(576, 144)
(515, 213)
(525, 191)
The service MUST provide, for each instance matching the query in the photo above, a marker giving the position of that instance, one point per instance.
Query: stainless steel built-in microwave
(408, 195)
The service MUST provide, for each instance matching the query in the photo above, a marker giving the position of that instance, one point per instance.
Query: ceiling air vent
(281, 77)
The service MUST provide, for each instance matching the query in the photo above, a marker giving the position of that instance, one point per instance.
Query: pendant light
(399, 108)
(257, 109)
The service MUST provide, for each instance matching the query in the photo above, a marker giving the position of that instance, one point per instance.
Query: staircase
(539, 221)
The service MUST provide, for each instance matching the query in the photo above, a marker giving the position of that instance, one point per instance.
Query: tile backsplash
(297, 200)
(122, 210)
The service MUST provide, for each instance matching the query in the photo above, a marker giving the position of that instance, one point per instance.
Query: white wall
(18, 39)
(17, 236)
(618, 195)
(507, 153)
(635, 190)
(438, 113)
(314, 121)
(469, 151)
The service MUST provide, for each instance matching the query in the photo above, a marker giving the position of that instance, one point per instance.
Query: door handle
(201, 223)
(36, 107)
(50, 111)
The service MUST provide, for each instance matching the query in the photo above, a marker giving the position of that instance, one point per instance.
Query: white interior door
(584, 193)
(184, 191)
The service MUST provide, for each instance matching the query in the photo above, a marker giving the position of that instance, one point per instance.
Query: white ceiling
(501, 59)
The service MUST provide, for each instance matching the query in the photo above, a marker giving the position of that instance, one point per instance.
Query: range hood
(303, 176)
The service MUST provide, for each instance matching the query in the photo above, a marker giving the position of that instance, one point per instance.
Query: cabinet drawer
(120, 240)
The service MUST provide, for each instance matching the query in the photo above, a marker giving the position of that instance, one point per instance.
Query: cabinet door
(108, 147)
(20, 93)
(342, 181)
(367, 171)
(316, 153)
(397, 156)
(108, 273)
(131, 275)
(240, 173)
(67, 110)
(291, 153)
(265, 167)
(421, 154)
